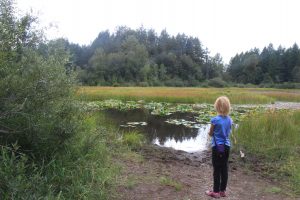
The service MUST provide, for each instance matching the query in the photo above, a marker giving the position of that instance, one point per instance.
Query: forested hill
(143, 57)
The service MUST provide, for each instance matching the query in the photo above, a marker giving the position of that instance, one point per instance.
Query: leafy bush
(217, 82)
(175, 82)
(143, 84)
(82, 171)
(36, 92)
(21, 179)
(287, 85)
(48, 150)
(193, 83)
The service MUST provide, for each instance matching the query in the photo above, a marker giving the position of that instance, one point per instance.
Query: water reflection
(159, 132)
(195, 144)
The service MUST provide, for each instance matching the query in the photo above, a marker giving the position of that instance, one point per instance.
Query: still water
(158, 131)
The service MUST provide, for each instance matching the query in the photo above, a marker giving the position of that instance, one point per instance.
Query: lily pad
(134, 124)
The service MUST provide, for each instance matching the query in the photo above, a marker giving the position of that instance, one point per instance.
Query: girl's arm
(211, 130)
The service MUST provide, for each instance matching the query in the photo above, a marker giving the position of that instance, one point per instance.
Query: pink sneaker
(213, 194)
(223, 194)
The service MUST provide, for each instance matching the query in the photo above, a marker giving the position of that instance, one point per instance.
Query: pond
(179, 126)
(179, 131)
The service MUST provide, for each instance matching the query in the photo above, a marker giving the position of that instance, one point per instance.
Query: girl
(220, 131)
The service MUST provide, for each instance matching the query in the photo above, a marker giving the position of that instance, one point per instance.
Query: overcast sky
(223, 26)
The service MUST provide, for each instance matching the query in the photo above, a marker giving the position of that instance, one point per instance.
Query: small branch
(4, 131)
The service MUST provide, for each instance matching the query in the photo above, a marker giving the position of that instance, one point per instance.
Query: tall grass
(83, 170)
(273, 138)
(133, 140)
(293, 96)
(173, 95)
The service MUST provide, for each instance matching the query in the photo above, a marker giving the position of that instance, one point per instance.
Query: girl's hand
(211, 130)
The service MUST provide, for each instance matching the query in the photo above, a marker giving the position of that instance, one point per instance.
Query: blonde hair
(222, 105)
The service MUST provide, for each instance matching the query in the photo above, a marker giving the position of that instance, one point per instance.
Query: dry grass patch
(175, 95)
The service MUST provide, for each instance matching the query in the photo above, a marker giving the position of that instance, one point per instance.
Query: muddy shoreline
(142, 179)
(171, 155)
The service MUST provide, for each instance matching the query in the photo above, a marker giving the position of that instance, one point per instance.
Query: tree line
(144, 58)
(267, 66)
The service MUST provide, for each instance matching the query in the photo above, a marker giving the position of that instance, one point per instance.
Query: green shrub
(175, 82)
(217, 82)
(83, 170)
(49, 149)
(143, 84)
(115, 84)
(36, 91)
(287, 85)
(21, 178)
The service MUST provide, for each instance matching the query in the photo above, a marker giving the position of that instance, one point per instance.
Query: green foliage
(274, 190)
(20, 178)
(82, 171)
(266, 67)
(36, 94)
(287, 85)
(133, 139)
(141, 57)
(274, 137)
(170, 182)
(49, 149)
(217, 82)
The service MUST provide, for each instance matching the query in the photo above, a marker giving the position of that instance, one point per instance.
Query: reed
(184, 95)
(273, 138)
(83, 170)
(284, 95)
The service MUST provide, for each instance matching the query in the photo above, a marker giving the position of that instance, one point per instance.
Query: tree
(36, 94)
(216, 66)
(128, 54)
(296, 74)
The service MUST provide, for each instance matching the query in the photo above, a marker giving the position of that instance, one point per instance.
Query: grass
(134, 140)
(273, 139)
(83, 170)
(274, 190)
(284, 95)
(86, 170)
(170, 182)
(188, 95)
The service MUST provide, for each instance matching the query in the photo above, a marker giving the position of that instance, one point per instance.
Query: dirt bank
(190, 175)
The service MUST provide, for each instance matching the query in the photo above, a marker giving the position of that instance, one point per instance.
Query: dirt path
(191, 174)
(285, 105)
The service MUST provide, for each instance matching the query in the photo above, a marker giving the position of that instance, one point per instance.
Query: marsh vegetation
(59, 140)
